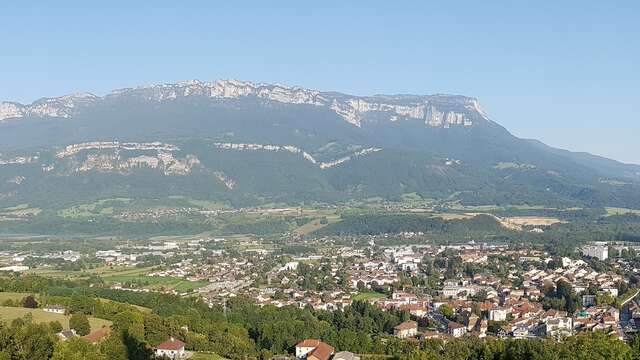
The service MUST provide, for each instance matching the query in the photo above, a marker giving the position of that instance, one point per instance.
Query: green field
(21, 210)
(140, 308)
(132, 275)
(53, 273)
(368, 296)
(316, 225)
(4, 296)
(156, 282)
(103, 271)
(7, 314)
(100, 207)
(206, 356)
(209, 205)
(118, 271)
(611, 211)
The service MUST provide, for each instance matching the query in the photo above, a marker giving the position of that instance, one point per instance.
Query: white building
(290, 266)
(598, 251)
(172, 348)
(56, 309)
(313, 348)
(559, 327)
(499, 314)
(455, 329)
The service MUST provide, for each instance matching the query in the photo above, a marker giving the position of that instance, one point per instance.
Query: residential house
(66, 334)
(559, 327)
(520, 332)
(313, 349)
(498, 314)
(417, 310)
(56, 309)
(588, 300)
(455, 329)
(172, 349)
(472, 321)
(406, 329)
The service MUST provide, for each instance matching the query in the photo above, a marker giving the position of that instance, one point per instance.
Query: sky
(564, 72)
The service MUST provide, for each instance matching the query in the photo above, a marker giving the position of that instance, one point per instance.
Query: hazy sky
(564, 72)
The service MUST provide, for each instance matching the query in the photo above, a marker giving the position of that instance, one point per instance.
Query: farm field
(54, 273)
(453, 216)
(7, 314)
(100, 271)
(99, 207)
(316, 225)
(177, 284)
(118, 271)
(611, 211)
(19, 212)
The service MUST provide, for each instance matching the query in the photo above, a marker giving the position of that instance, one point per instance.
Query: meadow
(7, 314)
(156, 282)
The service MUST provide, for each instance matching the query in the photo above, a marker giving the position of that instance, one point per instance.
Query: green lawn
(206, 356)
(183, 286)
(368, 296)
(7, 314)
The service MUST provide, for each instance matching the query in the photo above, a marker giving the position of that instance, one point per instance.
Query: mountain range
(247, 143)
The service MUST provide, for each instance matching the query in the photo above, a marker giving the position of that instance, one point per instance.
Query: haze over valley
(389, 181)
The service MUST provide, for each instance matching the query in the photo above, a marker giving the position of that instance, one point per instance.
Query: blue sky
(564, 72)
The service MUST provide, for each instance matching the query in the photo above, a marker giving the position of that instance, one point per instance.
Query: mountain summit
(433, 110)
(249, 143)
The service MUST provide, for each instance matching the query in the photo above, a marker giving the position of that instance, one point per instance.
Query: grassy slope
(206, 356)
(7, 314)
(4, 296)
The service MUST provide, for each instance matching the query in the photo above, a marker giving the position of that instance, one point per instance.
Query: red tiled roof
(322, 352)
(309, 343)
(171, 344)
(413, 307)
(407, 325)
(97, 336)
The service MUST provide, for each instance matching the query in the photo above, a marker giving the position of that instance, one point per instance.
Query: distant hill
(249, 143)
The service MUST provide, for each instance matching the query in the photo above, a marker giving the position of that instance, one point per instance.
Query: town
(446, 291)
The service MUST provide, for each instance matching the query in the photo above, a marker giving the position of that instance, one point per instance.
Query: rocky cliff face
(60, 107)
(434, 110)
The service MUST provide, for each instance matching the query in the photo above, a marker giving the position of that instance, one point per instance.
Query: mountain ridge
(252, 143)
(350, 107)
